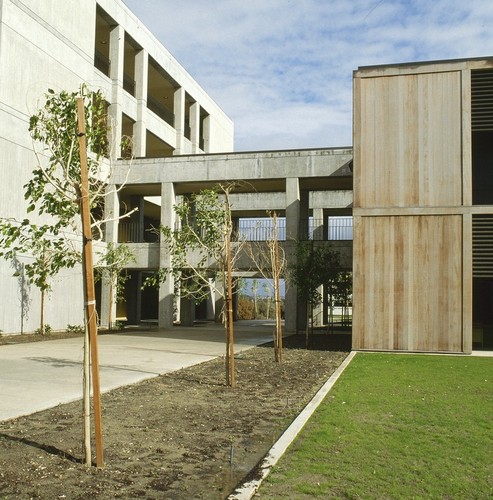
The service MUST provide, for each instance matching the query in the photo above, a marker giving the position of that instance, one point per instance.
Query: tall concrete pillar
(296, 230)
(141, 83)
(117, 52)
(195, 127)
(211, 303)
(187, 311)
(179, 110)
(111, 212)
(166, 289)
(186, 307)
(318, 235)
(219, 301)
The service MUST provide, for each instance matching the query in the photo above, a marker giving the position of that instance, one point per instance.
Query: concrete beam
(274, 167)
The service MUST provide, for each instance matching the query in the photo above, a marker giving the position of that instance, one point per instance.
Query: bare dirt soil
(183, 435)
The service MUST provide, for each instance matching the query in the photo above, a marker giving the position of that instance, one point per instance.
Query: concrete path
(39, 375)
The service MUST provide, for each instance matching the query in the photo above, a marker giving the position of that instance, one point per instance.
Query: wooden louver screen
(482, 100)
(482, 246)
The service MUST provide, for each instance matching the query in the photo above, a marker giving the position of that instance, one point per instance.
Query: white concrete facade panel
(51, 44)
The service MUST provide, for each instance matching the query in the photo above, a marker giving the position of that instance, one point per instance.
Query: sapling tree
(47, 254)
(339, 290)
(51, 235)
(316, 265)
(270, 260)
(255, 297)
(111, 265)
(201, 249)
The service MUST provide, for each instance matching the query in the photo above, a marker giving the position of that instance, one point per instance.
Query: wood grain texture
(408, 283)
(409, 145)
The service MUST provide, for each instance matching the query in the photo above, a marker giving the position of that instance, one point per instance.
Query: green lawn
(396, 426)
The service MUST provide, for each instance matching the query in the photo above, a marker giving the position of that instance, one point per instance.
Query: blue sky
(282, 69)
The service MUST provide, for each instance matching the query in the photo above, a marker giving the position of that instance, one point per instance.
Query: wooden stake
(90, 298)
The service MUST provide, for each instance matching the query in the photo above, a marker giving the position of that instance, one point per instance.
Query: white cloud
(282, 69)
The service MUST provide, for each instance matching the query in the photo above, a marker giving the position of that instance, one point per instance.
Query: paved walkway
(39, 375)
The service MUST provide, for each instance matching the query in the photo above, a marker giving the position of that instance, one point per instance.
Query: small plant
(120, 325)
(75, 328)
(46, 330)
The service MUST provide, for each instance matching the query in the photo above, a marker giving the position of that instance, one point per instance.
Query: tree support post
(90, 299)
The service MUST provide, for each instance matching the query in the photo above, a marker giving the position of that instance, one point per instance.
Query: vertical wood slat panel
(411, 147)
(408, 272)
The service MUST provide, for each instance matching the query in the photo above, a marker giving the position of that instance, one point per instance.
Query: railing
(340, 228)
(101, 62)
(261, 229)
(133, 232)
(129, 84)
(335, 229)
(159, 109)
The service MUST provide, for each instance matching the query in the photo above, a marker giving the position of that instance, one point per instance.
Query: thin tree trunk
(86, 386)
(42, 319)
(307, 326)
(87, 400)
(277, 293)
(226, 329)
(231, 345)
(110, 312)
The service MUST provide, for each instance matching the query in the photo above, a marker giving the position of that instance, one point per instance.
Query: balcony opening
(127, 137)
(142, 225)
(156, 148)
(204, 131)
(161, 93)
(104, 24)
(131, 49)
(188, 104)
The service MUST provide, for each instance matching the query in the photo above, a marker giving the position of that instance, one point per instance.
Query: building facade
(60, 45)
(422, 180)
(423, 206)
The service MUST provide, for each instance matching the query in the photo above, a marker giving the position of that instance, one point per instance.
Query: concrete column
(179, 109)
(318, 235)
(111, 212)
(195, 126)
(296, 229)
(211, 304)
(117, 51)
(141, 83)
(219, 301)
(166, 289)
(318, 224)
(187, 311)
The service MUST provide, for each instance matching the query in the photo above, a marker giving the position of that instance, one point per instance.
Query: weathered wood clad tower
(417, 190)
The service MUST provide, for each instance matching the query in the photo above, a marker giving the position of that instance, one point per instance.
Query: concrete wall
(50, 44)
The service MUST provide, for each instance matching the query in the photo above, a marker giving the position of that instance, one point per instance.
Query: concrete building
(152, 99)
(302, 186)
(59, 45)
(423, 182)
